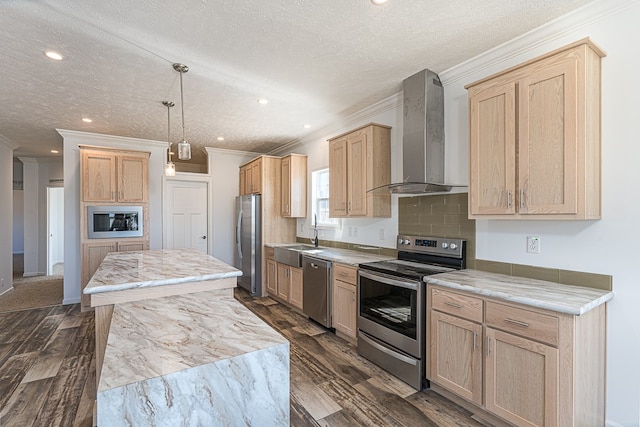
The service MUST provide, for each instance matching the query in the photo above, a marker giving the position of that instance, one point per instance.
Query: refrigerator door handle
(238, 231)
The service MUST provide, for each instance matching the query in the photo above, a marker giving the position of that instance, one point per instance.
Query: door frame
(60, 231)
(187, 177)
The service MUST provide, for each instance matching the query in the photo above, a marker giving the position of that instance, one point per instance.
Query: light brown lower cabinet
(92, 255)
(284, 283)
(272, 277)
(516, 363)
(345, 302)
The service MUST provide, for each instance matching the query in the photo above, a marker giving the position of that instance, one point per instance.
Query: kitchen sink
(292, 254)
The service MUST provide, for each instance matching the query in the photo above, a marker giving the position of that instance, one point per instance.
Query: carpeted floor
(33, 292)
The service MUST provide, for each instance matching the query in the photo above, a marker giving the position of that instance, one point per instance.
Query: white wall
(223, 168)
(362, 231)
(30, 218)
(71, 141)
(6, 211)
(607, 246)
(18, 221)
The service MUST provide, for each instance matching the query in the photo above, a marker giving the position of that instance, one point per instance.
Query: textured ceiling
(315, 61)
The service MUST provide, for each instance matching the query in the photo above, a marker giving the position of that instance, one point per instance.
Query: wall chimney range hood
(423, 137)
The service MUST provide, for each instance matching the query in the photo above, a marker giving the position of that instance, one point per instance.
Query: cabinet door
(338, 178)
(357, 175)
(492, 154)
(256, 176)
(272, 277)
(242, 190)
(344, 308)
(132, 246)
(284, 281)
(92, 256)
(133, 175)
(98, 177)
(295, 290)
(456, 355)
(521, 379)
(547, 163)
(285, 187)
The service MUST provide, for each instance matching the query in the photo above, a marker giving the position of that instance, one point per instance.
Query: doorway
(55, 231)
(187, 215)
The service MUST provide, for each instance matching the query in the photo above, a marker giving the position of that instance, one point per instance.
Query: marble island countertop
(343, 256)
(160, 336)
(575, 300)
(193, 359)
(139, 269)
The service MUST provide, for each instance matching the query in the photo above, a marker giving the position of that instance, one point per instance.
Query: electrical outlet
(382, 234)
(355, 231)
(533, 244)
(350, 231)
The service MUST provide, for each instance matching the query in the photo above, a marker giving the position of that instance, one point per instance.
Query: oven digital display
(427, 243)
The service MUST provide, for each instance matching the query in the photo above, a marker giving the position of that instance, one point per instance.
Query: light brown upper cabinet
(360, 160)
(293, 186)
(251, 177)
(535, 138)
(114, 176)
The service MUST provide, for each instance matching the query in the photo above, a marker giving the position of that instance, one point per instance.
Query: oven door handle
(389, 281)
(386, 350)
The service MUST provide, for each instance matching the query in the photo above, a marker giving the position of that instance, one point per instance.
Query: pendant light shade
(170, 167)
(184, 148)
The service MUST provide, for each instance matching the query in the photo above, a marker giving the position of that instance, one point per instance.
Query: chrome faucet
(315, 232)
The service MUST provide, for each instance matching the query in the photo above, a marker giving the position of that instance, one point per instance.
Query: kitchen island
(174, 346)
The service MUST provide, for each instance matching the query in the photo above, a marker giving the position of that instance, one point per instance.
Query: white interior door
(187, 215)
(55, 230)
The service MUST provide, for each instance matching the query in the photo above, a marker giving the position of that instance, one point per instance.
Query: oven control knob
(445, 245)
(453, 246)
(406, 242)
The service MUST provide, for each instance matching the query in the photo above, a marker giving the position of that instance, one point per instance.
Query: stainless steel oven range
(392, 303)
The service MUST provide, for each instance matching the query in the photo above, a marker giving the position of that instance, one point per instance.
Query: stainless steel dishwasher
(316, 289)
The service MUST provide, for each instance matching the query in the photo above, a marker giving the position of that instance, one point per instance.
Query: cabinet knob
(203, 237)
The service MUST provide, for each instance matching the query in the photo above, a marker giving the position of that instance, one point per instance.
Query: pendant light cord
(182, 103)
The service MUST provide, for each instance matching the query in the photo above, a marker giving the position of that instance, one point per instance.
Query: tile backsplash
(439, 215)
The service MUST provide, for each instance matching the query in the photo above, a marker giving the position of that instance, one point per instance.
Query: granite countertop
(160, 336)
(139, 269)
(575, 300)
(342, 256)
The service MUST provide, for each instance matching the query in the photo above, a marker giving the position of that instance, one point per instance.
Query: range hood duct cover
(423, 137)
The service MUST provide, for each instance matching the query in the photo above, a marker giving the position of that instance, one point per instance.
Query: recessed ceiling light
(55, 151)
(307, 126)
(87, 120)
(378, 2)
(53, 55)
(263, 101)
(220, 138)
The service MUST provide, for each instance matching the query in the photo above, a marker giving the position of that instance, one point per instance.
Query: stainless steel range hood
(423, 137)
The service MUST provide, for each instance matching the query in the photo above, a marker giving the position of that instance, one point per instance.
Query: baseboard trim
(34, 274)
(8, 290)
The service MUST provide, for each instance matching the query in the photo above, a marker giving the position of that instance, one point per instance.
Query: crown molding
(112, 140)
(8, 143)
(552, 35)
(356, 119)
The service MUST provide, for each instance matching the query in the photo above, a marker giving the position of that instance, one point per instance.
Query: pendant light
(184, 148)
(170, 167)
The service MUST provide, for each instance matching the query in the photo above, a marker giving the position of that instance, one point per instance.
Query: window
(320, 199)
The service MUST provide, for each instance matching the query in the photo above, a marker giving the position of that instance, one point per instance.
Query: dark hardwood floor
(47, 374)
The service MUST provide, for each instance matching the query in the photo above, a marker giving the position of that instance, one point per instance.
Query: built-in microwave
(106, 222)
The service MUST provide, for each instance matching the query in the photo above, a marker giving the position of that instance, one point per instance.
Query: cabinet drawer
(537, 326)
(464, 306)
(270, 252)
(345, 273)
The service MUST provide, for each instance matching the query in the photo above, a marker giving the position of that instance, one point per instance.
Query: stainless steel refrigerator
(248, 253)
